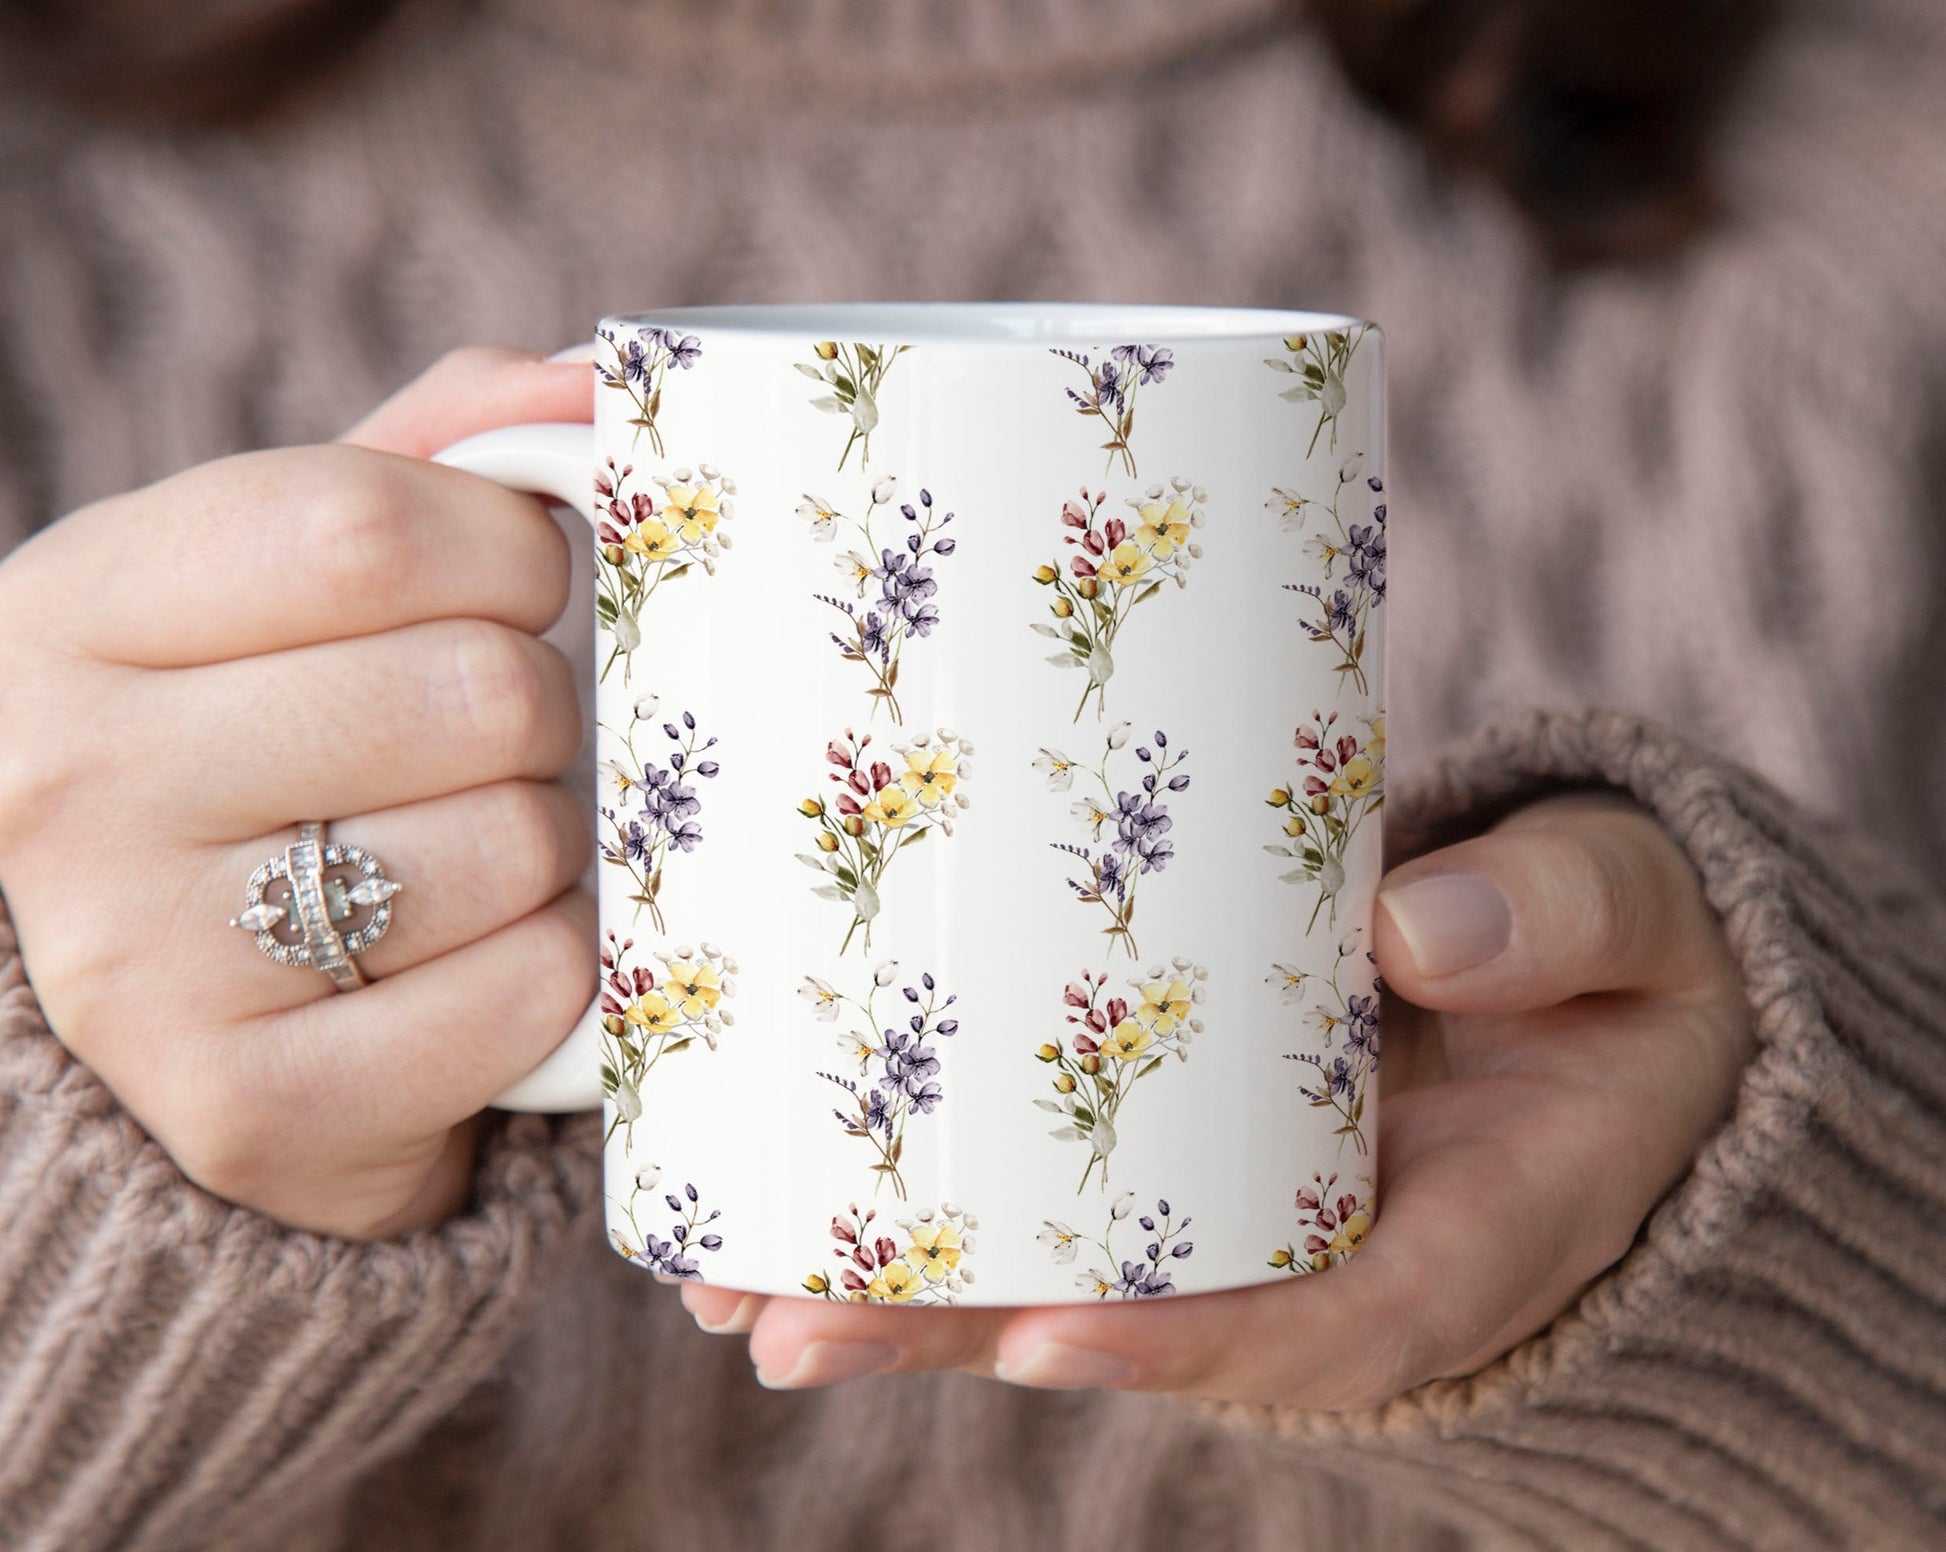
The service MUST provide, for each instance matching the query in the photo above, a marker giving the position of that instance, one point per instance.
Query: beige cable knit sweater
(1704, 497)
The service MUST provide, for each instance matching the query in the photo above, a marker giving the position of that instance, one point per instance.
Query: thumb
(478, 388)
(1573, 895)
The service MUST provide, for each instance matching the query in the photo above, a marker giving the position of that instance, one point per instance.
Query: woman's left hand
(1568, 1028)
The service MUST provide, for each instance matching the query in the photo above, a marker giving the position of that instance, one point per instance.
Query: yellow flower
(1127, 1041)
(935, 1249)
(1164, 527)
(827, 350)
(816, 1283)
(1351, 1234)
(655, 1013)
(1128, 562)
(930, 778)
(1165, 1004)
(1356, 778)
(810, 808)
(896, 1284)
(1045, 574)
(1375, 745)
(692, 508)
(653, 541)
(827, 841)
(1293, 827)
(891, 808)
(697, 988)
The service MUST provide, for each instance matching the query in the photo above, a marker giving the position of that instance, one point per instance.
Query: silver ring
(317, 901)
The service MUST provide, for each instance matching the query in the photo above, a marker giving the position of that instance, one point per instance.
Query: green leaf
(605, 610)
(1148, 1067)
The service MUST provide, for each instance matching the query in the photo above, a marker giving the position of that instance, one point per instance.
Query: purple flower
(684, 352)
(920, 618)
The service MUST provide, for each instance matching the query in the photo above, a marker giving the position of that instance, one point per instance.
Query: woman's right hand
(347, 633)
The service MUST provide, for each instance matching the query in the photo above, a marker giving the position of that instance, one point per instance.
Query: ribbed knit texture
(1705, 494)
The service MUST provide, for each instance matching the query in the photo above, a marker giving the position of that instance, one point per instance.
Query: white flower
(1118, 734)
(628, 634)
(821, 516)
(1122, 1204)
(822, 996)
(1097, 1282)
(1057, 768)
(615, 775)
(1348, 470)
(857, 571)
(645, 706)
(857, 1048)
(1289, 981)
(883, 975)
(1091, 815)
(885, 490)
(1059, 1238)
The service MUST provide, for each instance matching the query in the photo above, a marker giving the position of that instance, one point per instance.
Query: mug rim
(1040, 324)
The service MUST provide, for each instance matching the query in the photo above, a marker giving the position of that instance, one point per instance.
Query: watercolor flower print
(1108, 393)
(1108, 568)
(1148, 1276)
(924, 1263)
(876, 629)
(689, 1232)
(893, 1060)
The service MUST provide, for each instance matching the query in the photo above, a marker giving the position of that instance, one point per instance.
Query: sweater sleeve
(1766, 1368)
(169, 1361)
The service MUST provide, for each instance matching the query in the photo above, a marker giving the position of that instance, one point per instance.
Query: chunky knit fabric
(1703, 496)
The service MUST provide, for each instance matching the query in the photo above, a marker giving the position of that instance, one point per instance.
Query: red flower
(852, 1281)
(842, 1230)
(887, 1251)
(1076, 995)
(1081, 566)
(881, 775)
(1114, 531)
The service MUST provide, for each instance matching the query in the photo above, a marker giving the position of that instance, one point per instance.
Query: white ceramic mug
(991, 742)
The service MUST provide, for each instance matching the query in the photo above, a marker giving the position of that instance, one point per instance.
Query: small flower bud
(614, 1025)
(1280, 1258)
(1048, 1053)
(1087, 587)
(1062, 609)
(1045, 574)
(1118, 734)
(612, 553)
(1279, 797)
(827, 841)
(1091, 1064)
(816, 1284)
(1320, 803)
(854, 825)
(810, 808)
(827, 350)
(1063, 1083)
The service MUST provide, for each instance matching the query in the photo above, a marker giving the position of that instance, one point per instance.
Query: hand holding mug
(1569, 1028)
(347, 631)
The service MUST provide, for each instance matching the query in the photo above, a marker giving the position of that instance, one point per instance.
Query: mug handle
(556, 461)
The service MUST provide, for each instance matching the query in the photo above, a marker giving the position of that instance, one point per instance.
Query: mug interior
(975, 323)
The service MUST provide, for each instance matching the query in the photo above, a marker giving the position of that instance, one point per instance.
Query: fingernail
(585, 351)
(742, 1318)
(1055, 1366)
(832, 1363)
(1450, 921)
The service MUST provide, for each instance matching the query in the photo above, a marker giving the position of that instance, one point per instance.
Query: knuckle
(357, 531)
(220, 1135)
(525, 848)
(498, 692)
(563, 959)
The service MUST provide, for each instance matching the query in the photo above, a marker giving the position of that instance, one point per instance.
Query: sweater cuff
(1764, 1368)
(168, 1359)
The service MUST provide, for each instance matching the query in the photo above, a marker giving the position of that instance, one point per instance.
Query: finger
(468, 864)
(1569, 897)
(722, 1311)
(413, 1054)
(1485, 1232)
(239, 749)
(278, 549)
(476, 389)
(799, 1344)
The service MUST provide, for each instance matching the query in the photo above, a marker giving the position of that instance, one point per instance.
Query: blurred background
(1660, 281)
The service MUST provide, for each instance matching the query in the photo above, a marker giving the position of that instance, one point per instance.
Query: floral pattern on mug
(1147, 1278)
(924, 1264)
(674, 1256)
(656, 802)
(902, 1069)
(1332, 1227)
(1345, 1021)
(854, 373)
(650, 536)
(1113, 383)
(1341, 784)
(1117, 1043)
(1319, 361)
(876, 633)
(1117, 565)
(639, 368)
(1342, 620)
(880, 812)
(647, 1014)
(1128, 831)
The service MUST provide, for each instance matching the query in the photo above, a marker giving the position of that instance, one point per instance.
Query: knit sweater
(1698, 497)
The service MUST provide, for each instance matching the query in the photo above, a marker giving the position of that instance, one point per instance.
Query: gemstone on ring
(316, 904)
